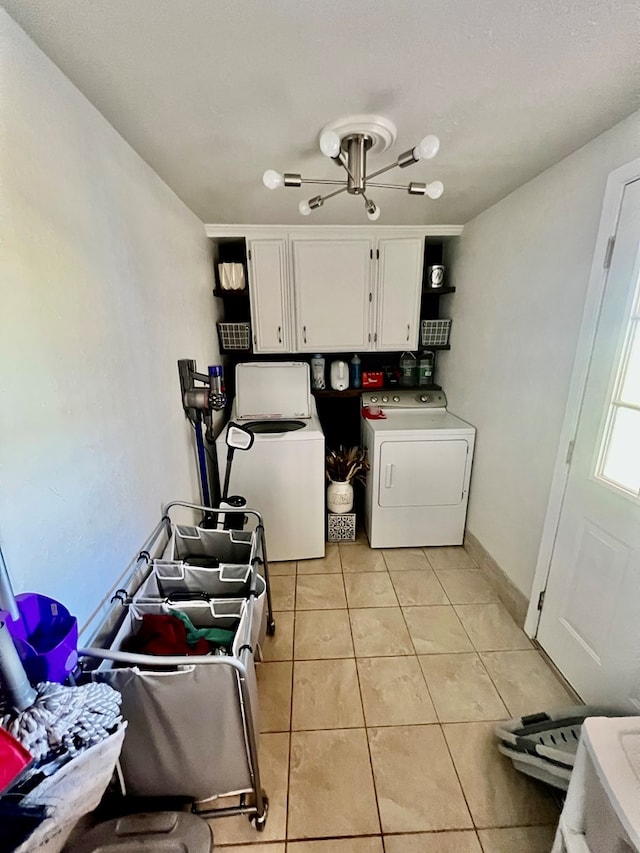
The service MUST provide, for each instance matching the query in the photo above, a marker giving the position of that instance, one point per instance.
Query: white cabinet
(268, 286)
(333, 295)
(332, 289)
(399, 282)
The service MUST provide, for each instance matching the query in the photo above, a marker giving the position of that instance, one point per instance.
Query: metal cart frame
(253, 801)
(260, 533)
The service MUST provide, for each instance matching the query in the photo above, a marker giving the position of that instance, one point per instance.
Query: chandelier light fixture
(347, 142)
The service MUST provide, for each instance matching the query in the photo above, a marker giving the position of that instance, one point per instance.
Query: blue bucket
(46, 637)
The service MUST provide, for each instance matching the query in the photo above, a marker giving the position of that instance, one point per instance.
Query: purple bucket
(46, 637)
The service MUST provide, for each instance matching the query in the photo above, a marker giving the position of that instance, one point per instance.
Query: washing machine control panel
(407, 399)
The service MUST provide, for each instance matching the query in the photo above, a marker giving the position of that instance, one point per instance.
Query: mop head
(65, 719)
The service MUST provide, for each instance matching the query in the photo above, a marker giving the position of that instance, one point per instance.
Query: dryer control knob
(396, 399)
(385, 399)
(424, 398)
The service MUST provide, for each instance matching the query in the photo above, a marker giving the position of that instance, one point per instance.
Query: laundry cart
(212, 558)
(193, 719)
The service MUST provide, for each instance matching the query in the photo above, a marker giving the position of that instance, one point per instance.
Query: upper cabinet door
(269, 297)
(332, 280)
(399, 287)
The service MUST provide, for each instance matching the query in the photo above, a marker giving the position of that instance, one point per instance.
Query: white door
(590, 621)
(398, 293)
(268, 293)
(422, 473)
(332, 281)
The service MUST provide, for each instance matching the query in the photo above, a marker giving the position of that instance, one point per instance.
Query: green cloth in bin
(217, 636)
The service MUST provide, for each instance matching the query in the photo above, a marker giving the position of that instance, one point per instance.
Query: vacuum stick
(202, 464)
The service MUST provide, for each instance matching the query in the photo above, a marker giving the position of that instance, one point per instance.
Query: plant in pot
(343, 467)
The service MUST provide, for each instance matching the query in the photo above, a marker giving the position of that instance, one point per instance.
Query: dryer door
(428, 472)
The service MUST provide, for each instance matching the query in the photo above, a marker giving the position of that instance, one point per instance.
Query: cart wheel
(261, 822)
(271, 628)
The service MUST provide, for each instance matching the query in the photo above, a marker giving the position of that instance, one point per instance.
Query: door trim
(614, 190)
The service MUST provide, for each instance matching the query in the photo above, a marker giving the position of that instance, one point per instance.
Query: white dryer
(283, 474)
(420, 456)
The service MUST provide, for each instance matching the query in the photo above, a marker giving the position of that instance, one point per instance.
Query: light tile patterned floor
(378, 696)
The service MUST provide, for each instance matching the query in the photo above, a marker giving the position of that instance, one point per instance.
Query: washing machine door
(424, 472)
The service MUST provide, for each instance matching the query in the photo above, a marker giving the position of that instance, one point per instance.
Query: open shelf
(329, 392)
(233, 294)
(437, 291)
(356, 392)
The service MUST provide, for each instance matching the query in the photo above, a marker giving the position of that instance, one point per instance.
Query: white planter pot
(339, 497)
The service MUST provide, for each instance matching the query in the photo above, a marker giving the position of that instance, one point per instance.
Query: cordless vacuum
(199, 403)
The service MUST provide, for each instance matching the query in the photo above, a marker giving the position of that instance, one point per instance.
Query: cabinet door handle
(279, 334)
(408, 330)
(388, 475)
(304, 333)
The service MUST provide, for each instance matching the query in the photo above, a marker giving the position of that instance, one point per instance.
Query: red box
(372, 379)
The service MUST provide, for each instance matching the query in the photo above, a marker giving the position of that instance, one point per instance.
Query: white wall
(521, 270)
(105, 282)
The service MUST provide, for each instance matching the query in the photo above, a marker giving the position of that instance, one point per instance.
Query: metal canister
(435, 276)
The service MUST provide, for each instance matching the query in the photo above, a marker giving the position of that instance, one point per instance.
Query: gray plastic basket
(544, 745)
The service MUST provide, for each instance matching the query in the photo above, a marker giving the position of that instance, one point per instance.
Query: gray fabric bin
(228, 546)
(187, 732)
(176, 576)
(154, 588)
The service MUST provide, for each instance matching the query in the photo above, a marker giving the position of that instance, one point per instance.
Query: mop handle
(20, 693)
(7, 598)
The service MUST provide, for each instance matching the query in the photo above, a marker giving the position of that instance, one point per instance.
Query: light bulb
(304, 208)
(272, 179)
(373, 211)
(330, 143)
(435, 189)
(427, 148)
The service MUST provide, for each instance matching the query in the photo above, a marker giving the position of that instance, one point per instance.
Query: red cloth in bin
(163, 634)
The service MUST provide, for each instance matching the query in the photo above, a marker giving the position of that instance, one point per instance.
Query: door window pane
(619, 457)
(622, 456)
(630, 392)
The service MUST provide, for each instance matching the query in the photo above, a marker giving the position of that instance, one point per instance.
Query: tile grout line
(364, 721)
(441, 726)
(290, 749)
(476, 651)
(495, 686)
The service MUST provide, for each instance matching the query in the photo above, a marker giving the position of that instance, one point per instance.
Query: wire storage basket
(234, 335)
(435, 333)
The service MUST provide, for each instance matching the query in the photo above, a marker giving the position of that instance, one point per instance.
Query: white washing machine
(283, 474)
(420, 457)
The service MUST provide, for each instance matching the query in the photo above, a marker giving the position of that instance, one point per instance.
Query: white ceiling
(213, 92)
